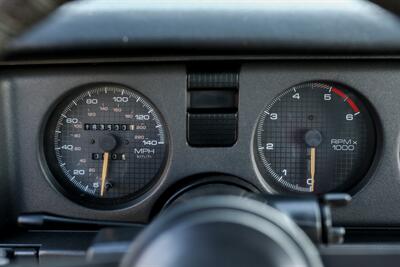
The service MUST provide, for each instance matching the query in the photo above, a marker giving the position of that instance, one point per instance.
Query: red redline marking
(347, 99)
(339, 93)
(353, 105)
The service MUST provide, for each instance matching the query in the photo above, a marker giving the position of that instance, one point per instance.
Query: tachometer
(314, 138)
(105, 144)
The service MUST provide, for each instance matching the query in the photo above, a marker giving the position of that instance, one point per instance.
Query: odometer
(314, 138)
(105, 144)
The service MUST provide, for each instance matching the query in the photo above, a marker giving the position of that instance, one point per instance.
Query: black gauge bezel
(271, 185)
(55, 175)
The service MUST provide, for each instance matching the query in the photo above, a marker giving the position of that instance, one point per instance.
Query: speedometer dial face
(106, 144)
(314, 138)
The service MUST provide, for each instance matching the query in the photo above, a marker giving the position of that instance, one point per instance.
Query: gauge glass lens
(105, 145)
(314, 138)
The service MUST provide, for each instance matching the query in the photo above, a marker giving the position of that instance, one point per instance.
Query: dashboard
(106, 127)
(355, 86)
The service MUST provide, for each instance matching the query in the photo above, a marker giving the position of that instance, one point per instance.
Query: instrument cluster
(106, 144)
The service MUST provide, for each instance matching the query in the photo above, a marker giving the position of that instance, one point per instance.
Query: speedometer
(105, 144)
(314, 138)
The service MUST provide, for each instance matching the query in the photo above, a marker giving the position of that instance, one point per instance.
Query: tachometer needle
(104, 171)
(312, 168)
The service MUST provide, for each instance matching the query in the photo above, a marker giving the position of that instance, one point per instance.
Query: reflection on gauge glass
(105, 145)
(314, 138)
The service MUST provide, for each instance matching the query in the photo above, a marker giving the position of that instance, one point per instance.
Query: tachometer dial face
(105, 144)
(314, 138)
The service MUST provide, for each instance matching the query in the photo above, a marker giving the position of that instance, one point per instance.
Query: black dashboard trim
(80, 29)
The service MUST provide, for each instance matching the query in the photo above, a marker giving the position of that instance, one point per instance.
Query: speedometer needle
(104, 171)
(107, 143)
(312, 168)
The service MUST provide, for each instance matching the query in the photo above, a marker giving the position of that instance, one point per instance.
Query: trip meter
(314, 138)
(106, 144)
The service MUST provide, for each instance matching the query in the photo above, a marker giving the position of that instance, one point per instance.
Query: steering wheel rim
(217, 210)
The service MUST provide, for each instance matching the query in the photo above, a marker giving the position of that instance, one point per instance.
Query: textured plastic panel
(212, 130)
(201, 80)
(212, 99)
